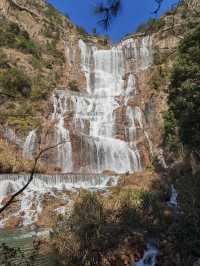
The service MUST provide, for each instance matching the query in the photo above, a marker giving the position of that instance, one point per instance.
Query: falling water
(173, 198)
(149, 257)
(62, 134)
(92, 115)
(30, 144)
(31, 200)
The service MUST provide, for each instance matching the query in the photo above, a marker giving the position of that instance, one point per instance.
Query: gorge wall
(105, 111)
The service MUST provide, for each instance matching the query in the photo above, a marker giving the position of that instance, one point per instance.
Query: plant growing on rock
(182, 120)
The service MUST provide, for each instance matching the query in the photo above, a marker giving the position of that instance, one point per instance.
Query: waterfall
(55, 185)
(92, 115)
(173, 198)
(104, 70)
(131, 88)
(30, 144)
(64, 147)
(44, 183)
(149, 257)
(134, 117)
(140, 50)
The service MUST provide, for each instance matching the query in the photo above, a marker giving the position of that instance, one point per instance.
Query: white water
(93, 114)
(140, 50)
(64, 148)
(31, 199)
(173, 198)
(149, 258)
(30, 144)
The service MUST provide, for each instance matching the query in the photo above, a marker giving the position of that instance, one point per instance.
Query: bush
(51, 49)
(14, 82)
(11, 36)
(94, 231)
(184, 94)
(3, 60)
(152, 25)
(73, 86)
(82, 31)
(82, 235)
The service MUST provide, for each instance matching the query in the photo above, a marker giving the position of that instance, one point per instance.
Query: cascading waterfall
(149, 257)
(94, 112)
(140, 50)
(62, 134)
(173, 198)
(92, 117)
(31, 200)
(30, 144)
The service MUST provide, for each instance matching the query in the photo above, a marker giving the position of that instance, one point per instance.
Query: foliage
(96, 228)
(53, 15)
(73, 86)
(14, 82)
(82, 31)
(82, 237)
(51, 49)
(183, 118)
(184, 234)
(187, 232)
(11, 36)
(107, 11)
(3, 60)
(152, 25)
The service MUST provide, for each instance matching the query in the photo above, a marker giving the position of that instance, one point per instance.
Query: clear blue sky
(134, 13)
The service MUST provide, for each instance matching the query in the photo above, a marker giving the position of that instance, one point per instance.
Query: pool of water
(24, 240)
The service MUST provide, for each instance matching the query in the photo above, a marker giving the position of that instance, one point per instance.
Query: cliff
(105, 103)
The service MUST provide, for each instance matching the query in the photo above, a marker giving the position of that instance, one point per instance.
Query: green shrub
(93, 231)
(82, 235)
(152, 25)
(186, 233)
(14, 82)
(73, 86)
(82, 31)
(53, 15)
(28, 46)
(3, 60)
(51, 49)
(184, 94)
(11, 36)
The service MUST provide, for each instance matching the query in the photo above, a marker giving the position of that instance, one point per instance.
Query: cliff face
(104, 103)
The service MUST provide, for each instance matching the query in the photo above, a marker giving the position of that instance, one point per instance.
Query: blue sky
(134, 13)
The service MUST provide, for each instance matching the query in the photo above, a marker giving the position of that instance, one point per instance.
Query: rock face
(106, 115)
(109, 130)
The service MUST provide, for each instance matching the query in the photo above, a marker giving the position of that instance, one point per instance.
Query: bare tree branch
(37, 158)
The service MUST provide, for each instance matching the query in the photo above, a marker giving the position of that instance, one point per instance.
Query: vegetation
(13, 37)
(97, 227)
(152, 25)
(11, 159)
(186, 231)
(73, 86)
(14, 82)
(183, 117)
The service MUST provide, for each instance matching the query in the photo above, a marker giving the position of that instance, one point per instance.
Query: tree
(183, 117)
